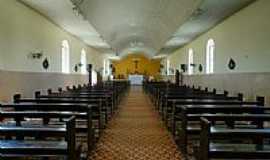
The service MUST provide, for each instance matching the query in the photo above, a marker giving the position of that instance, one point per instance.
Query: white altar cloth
(135, 79)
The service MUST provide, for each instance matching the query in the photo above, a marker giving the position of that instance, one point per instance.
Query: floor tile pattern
(136, 133)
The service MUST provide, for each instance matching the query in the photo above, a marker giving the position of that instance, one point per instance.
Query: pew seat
(39, 141)
(233, 143)
(32, 131)
(47, 120)
(24, 148)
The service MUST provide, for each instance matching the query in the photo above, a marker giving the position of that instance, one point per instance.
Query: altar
(135, 79)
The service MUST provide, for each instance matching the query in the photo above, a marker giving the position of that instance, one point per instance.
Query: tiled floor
(136, 133)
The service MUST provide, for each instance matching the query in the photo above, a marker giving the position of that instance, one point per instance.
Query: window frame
(210, 54)
(190, 61)
(65, 57)
(83, 62)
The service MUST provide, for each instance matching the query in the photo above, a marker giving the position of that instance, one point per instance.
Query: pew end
(240, 96)
(16, 98)
(214, 91)
(260, 100)
(49, 91)
(204, 141)
(60, 90)
(226, 93)
(68, 88)
(37, 94)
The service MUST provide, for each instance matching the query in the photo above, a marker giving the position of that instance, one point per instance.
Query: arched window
(83, 62)
(190, 61)
(168, 66)
(104, 67)
(94, 77)
(210, 51)
(65, 57)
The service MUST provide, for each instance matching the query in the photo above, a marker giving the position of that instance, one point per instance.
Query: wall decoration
(200, 68)
(80, 64)
(232, 64)
(35, 55)
(76, 68)
(45, 64)
(136, 63)
(193, 65)
(183, 68)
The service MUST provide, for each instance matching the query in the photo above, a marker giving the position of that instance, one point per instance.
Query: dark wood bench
(164, 96)
(169, 100)
(117, 91)
(10, 148)
(218, 143)
(106, 99)
(99, 114)
(173, 112)
(46, 112)
(190, 118)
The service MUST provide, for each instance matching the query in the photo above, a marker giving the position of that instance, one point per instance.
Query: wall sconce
(183, 67)
(200, 68)
(193, 65)
(35, 55)
(76, 67)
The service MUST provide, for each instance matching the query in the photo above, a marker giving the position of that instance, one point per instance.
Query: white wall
(251, 84)
(23, 30)
(26, 83)
(245, 37)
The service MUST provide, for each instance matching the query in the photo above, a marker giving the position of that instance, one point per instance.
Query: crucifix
(136, 63)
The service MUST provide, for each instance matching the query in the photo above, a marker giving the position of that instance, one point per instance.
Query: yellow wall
(127, 66)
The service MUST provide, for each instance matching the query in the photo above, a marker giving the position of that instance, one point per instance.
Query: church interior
(134, 79)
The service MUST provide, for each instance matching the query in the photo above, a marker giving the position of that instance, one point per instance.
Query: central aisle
(136, 133)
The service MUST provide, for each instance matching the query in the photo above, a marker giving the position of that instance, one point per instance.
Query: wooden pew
(49, 111)
(96, 105)
(118, 89)
(183, 93)
(171, 99)
(192, 114)
(39, 148)
(105, 98)
(177, 104)
(217, 142)
(115, 92)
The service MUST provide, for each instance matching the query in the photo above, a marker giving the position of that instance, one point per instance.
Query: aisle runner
(136, 133)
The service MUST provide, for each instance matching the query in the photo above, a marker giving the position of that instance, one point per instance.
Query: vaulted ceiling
(137, 25)
(126, 26)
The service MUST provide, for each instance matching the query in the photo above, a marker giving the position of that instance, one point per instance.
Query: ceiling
(127, 26)
(137, 25)
(63, 14)
(209, 14)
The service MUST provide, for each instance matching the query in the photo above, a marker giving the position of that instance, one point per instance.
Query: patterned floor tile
(136, 133)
